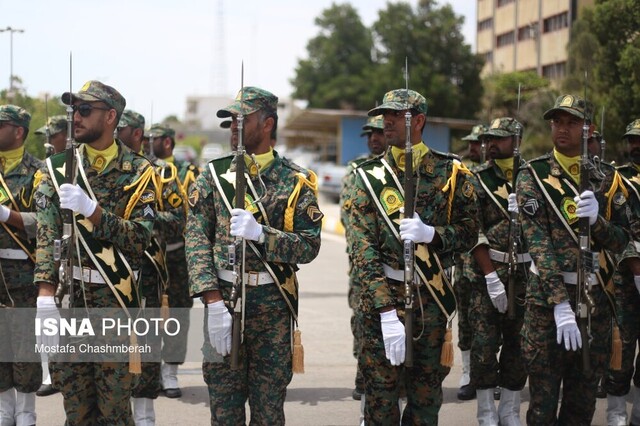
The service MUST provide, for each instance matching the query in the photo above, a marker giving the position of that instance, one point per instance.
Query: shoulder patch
(193, 198)
(467, 189)
(147, 197)
(174, 200)
(531, 206)
(314, 213)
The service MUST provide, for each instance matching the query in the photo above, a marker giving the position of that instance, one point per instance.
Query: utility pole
(11, 31)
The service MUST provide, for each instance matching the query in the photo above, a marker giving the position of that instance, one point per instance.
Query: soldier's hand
(244, 225)
(513, 204)
(219, 322)
(636, 280)
(393, 336)
(415, 230)
(46, 309)
(5, 212)
(567, 327)
(587, 206)
(74, 198)
(497, 292)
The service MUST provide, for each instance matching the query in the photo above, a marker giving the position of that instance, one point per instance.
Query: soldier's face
(475, 152)
(566, 133)
(127, 136)
(9, 136)
(255, 136)
(59, 141)
(499, 148)
(376, 142)
(395, 127)
(634, 148)
(89, 128)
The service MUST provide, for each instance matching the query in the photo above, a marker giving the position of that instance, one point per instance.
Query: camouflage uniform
(55, 132)
(554, 253)
(374, 244)
(16, 268)
(97, 392)
(265, 353)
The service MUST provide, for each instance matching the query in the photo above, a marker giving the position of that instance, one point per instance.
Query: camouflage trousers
(628, 309)
(462, 288)
(265, 364)
(174, 348)
(356, 325)
(423, 381)
(491, 331)
(549, 365)
(18, 341)
(94, 393)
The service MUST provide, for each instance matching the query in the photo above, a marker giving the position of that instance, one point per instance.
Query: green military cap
(225, 124)
(249, 100)
(633, 129)
(160, 130)
(56, 123)
(399, 100)
(502, 127)
(15, 115)
(476, 132)
(373, 123)
(96, 91)
(574, 105)
(131, 118)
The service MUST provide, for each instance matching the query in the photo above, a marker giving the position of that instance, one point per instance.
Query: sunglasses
(85, 109)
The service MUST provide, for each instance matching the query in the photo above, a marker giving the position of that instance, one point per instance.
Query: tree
(606, 42)
(339, 61)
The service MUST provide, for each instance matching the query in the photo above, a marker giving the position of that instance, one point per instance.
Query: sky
(158, 52)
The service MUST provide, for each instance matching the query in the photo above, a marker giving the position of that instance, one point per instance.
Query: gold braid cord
(312, 183)
(141, 185)
(617, 184)
(451, 184)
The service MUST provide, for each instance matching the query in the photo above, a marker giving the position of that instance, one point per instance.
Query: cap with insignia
(376, 122)
(633, 129)
(476, 132)
(15, 115)
(131, 118)
(399, 100)
(249, 100)
(574, 105)
(502, 128)
(56, 123)
(96, 91)
(159, 130)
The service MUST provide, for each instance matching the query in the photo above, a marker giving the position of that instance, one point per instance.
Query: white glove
(219, 325)
(587, 206)
(74, 198)
(415, 230)
(513, 204)
(496, 291)
(567, 326)
(393, 336)
(636, 279)
(4, 213)
(244, 225)
(46, 308)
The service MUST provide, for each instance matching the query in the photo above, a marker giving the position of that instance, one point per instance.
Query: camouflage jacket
(172, 205)
(187, 174)
(550, 244)
(373, 243)
(132, 236)
(631, 176)
(208, 237)
(21, 182)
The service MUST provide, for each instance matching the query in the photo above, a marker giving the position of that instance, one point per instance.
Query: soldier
(377, 145)
(280, 226)
(444, 222)
(154, 278)
(113, 226)
(465, 274)
(616, 383)
(492, 328)
(19, 176)
(57, 134)
(551, 205)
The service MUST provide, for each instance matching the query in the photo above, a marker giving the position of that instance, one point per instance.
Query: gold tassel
(135, 361)
(298, 353)
(164, 309)
(446, 356)
(616, 349)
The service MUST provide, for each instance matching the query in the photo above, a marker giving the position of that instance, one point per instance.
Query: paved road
(321, 396)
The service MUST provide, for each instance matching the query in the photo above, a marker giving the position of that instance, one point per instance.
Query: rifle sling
(27, 246)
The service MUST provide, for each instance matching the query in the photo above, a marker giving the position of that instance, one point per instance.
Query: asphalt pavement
(322, 395)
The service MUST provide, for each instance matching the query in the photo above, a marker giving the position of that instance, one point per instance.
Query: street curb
(332, 225)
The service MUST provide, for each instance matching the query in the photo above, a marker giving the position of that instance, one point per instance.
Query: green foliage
(350, 66)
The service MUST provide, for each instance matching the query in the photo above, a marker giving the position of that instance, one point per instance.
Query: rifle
(588, 261)
(237, 249)
(49, 150)
(63, 248)
(409, 259)
(512, 245)
(603, 143)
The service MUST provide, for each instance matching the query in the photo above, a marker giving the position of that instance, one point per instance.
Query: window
(487, 24)
(506, 39)
(556, 22)
(501, 3)
(554, 71)
(528, 32)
